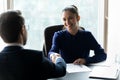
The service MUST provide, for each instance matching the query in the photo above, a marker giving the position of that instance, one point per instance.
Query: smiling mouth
(69, 25)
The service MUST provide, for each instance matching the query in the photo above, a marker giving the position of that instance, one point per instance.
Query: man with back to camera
(17, 63)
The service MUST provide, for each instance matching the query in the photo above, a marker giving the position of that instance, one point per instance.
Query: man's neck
(14, 44)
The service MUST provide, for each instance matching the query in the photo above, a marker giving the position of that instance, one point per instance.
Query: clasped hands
(54, 57)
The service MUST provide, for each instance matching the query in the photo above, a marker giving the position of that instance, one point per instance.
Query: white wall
(113, 28)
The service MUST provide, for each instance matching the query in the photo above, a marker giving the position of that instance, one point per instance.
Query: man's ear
(22, 34)
(23, 29)
(78, 18)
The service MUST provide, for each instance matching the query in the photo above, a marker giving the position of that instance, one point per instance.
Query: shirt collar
(14, 44)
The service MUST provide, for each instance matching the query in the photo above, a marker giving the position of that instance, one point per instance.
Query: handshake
(54, 57)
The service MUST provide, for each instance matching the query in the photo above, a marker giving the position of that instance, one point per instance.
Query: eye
(64, 19)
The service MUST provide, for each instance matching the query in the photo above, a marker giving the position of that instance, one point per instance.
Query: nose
(67, 22)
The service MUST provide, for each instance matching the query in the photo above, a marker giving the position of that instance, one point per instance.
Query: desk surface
(78, 76)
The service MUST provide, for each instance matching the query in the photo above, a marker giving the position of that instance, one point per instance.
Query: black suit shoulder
(25, 64)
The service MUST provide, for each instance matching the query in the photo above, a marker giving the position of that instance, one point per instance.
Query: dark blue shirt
(72, 47)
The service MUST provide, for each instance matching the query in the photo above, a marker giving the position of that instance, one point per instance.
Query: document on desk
(101, 72)
(72, 68)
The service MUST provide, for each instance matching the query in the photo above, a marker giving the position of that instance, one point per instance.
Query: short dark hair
(71, 8)
(11, 23)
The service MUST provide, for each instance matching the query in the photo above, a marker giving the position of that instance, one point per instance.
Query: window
(40, 14)
(114, 30)
(3, 7)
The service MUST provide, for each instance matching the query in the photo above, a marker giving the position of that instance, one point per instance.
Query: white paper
(72, 68)
(104, 64)
(104, 72)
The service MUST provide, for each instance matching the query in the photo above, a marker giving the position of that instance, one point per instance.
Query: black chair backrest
(48, 35)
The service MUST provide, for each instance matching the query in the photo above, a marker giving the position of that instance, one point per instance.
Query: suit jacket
(17, 63)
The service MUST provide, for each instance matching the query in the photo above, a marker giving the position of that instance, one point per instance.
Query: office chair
(48, 35)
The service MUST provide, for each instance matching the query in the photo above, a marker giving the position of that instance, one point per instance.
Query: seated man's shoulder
(33, 52)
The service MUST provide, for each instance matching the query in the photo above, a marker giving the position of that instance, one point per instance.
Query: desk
(79, 76)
